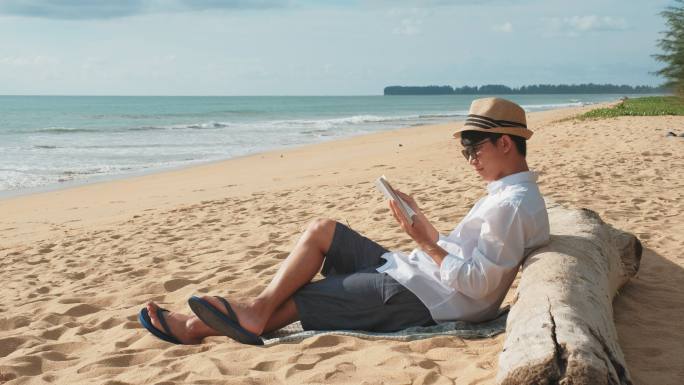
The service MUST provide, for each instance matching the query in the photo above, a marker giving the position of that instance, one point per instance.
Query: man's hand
(422, 231)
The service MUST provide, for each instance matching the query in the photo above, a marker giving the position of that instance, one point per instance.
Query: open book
(383, 185)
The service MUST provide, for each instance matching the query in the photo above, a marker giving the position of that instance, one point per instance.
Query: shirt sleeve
(499, 250)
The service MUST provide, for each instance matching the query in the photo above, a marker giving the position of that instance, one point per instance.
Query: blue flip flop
(165, 335)
(227, 325)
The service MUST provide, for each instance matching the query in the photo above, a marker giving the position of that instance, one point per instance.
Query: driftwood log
(560, 329)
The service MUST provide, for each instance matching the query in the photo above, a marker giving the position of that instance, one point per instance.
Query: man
(462, 276)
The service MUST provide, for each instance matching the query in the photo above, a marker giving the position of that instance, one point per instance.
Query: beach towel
(294, 333)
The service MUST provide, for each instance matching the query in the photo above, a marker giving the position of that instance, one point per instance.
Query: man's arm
(435, 251)
(499, 250)
(422, 231)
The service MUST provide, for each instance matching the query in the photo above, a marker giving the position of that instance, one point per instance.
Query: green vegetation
(672, 45)
(649, 106)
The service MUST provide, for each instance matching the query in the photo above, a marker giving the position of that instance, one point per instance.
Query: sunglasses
(472, 150)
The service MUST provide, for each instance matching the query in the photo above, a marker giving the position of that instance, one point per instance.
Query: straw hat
(495, 115)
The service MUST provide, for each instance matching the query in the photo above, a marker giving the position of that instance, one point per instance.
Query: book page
(384, 186)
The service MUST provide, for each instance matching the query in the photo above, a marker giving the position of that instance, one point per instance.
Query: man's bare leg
(274, 307)
(283, 316)
(297, 270)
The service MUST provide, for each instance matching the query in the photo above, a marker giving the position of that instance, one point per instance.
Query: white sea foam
(64, 130)
(320, 124)
(549, 106)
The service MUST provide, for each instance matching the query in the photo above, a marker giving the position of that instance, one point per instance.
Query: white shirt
(485, 251)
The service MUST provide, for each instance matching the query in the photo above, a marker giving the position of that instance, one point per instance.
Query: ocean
(53, 141)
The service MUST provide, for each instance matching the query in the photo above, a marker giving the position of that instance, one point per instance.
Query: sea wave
(204, 126)
(549, 106)
(64, 130)
(79, 130)
(191, 126)
(306, 124)
(445, 115)
(145, 128)
(356, 119)
(166, 115)
(112, 146)
(323, 124)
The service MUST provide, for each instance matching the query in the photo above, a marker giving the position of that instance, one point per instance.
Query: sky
(324, 47)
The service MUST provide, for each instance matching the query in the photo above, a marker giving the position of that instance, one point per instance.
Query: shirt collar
(517, 178)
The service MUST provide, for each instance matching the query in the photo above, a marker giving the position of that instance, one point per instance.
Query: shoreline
(18, 193)
(10, 194)
(57, 167)
(29, 216)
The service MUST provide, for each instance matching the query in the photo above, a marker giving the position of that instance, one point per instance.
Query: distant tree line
(499, 89)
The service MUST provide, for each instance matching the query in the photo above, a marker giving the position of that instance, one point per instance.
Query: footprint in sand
(81, 310)
(280, 255)
(118, 361)
(268, 366)
(341, 372)
(139, 273)
(54, 333)
(261, 266)
(324, 341)
(227, 279)
(175, 284)
(27, 365)
(76, 276)
(38, 261)
(122, 270)
(9, 345)
(46, 249)
(253, 253)
(7, 377)
(42, 290)
(95, 327)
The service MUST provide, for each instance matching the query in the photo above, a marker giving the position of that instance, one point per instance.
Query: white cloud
(506, 27)
(108, 9)
(408, 27)
(410, 21)
(35, 61)
(575, 25)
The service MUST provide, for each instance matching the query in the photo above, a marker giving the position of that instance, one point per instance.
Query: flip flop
(165, 335)
(227, 325)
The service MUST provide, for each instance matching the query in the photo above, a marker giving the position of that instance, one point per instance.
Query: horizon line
(304, 96)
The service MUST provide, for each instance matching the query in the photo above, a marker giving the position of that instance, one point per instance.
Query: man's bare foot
(189, 330)
(248, 315)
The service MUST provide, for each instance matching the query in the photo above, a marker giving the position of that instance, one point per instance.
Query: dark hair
(470, 137)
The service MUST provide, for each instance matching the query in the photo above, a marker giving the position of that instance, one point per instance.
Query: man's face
(486, 158)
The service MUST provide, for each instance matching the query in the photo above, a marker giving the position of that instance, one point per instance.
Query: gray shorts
(353, 295)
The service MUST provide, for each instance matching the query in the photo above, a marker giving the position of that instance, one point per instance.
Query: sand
(78, 264)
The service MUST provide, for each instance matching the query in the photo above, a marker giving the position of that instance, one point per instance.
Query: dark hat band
(486, 122)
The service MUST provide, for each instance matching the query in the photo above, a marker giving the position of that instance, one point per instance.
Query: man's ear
(507, 143)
